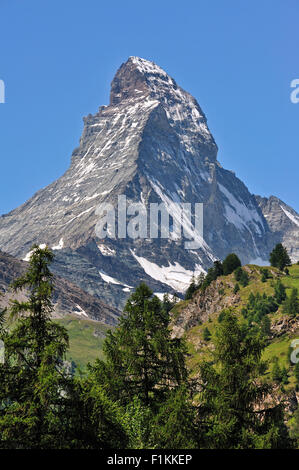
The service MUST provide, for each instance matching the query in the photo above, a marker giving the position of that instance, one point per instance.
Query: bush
(238, 273)
(279, 292)
(244, 281)
(236, 288)
(221, 316)
(291, 304)
(265, 274)
(206, 334)
(191, 290)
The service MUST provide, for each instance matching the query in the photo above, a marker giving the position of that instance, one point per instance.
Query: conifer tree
(233, 409)
(34, 352)
(41, 405)
(291, 304)
(231, 263)
(141, 358)
(279, 257)
(279, 292)
(191, 289)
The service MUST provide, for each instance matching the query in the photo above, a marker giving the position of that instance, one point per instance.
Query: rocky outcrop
(285, 325)
(204, 304)
(67, 297)
(283, 222)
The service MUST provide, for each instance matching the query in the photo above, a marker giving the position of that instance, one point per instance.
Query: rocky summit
(151, 144)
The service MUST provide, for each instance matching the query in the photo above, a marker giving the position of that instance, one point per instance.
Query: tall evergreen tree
(191, 289)
(34, 352)
(291, 304)
(232, 398)
(41, 405)
(141, 358)
(279, 292)
(231, 263)
(279, 257)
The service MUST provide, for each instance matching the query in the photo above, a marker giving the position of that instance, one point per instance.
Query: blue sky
(237, 57)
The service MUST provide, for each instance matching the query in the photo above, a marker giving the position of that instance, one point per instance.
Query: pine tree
(266, 326)
(231, 263)
(218, 268)
(233, 410)
(279, 292)
(279, 257)
(206, 334)
(265, 274)
(32, 375)
(141, 358)
(191, 289)
(276, 373)
(244, 280)
(236, 288)
(238, 273)
(291, 304)
(174, 426)
(41, 404)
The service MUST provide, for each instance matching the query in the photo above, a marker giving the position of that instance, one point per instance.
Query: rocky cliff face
(283, 222)
(152, 144)
(67, 297)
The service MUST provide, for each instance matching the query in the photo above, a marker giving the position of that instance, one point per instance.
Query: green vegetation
(279, 257)
(241, 276)
(220, 386)
(86, 339)
(264, 306)
(231, 263)
(41, 404)
(206, 334)
(231, 393)
(291, 304)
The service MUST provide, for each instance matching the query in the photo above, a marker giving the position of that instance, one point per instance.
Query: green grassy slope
(87, 336)
(278, 346)
(86, 339)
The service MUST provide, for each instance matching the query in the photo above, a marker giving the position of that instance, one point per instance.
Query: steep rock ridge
(283, 222)
(151, 143)
(67, 297)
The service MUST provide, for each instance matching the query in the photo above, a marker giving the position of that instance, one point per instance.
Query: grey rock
(152, 143)
(283, 222)
(67, 297)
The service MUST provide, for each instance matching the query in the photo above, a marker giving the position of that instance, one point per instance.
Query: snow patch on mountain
(112, 280)
(292, 217)
(80, 311)
(174, 275)
(59, 246)
(106, 251)
(238, 214)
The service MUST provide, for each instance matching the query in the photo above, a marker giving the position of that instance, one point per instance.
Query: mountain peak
(133, 79)
(140, 80)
